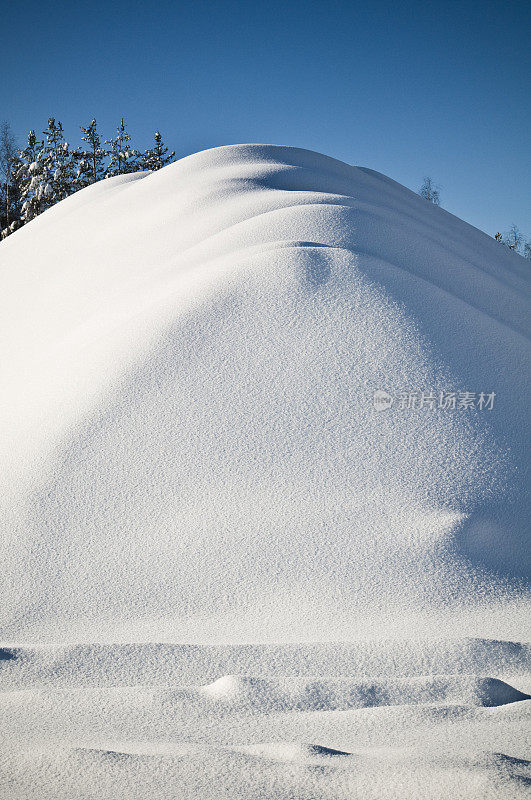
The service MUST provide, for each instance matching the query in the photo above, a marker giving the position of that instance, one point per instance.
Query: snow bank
(192, 452)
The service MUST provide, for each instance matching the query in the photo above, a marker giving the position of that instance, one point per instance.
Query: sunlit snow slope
(190, 450)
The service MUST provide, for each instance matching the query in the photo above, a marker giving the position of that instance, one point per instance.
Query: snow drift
(191, 451)
(225, 569)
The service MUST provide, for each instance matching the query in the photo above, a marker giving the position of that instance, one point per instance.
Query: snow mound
(235, 688)
(191, 449)
(493, 692)
(293, 751)
(323, 694)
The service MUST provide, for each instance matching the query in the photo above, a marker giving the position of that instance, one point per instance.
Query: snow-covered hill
(192, 451)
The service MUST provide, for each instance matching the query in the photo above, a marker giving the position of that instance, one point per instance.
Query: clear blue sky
(409, 89)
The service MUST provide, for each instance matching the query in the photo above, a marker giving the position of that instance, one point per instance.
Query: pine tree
(90, 159)
(123, 158)
(30, 175)
(158, 156)
(58, 174)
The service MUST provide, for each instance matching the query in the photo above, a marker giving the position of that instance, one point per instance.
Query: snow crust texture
(192, 453)
(153, 720)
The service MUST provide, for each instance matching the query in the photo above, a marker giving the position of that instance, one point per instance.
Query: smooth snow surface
(190, 454)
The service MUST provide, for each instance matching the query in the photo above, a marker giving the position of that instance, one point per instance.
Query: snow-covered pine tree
(158, 156)
(30, 176)
(90, 159)
(58, 176)
(123, 158)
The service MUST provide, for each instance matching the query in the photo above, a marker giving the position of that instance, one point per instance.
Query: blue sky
(409, 89)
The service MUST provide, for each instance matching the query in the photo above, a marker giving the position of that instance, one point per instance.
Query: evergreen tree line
(48, 169)
(513, 239)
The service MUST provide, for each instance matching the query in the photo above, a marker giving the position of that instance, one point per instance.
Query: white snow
(190, 454)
